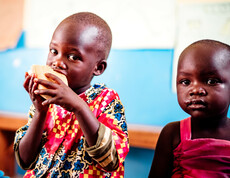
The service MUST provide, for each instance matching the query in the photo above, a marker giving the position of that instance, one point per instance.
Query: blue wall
(141, 77)
(143, 80)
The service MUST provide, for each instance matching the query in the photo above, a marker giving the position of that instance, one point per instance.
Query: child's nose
(58, 64)
(197, 90)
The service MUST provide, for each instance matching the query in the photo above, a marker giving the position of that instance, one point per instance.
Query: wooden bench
(9, 123)
(141, 136)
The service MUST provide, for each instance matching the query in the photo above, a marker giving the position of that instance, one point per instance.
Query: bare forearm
(30, 143)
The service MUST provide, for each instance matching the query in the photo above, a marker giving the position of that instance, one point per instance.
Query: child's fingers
(31, 82)
(26, 74)
(46, 83)
(34, 87)
(48, 92)
(54, 78)
(26, 83)
(49, 101)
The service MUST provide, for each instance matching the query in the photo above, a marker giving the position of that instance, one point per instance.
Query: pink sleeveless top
(202, 158)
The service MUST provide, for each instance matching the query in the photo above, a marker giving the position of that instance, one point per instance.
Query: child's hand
(30, 86)
(60, 93)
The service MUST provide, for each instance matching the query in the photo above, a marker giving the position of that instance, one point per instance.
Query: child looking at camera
(198, 146)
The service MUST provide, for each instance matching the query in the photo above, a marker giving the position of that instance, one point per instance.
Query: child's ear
(100, 67)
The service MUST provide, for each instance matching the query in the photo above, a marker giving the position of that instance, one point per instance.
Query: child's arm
(93, 131)
(162, 165)
(29, 145)
(112, 145)
(63, 95)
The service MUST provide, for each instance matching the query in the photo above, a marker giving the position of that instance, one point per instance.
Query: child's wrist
(40, 114)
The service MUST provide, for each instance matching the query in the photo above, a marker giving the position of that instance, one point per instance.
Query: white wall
(134, 23)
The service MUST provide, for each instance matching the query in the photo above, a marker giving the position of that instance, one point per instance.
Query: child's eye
(73, 57)
(212, 81)
(53, 51)
(185, 82)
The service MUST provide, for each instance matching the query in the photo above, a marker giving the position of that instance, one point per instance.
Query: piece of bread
(40, 71)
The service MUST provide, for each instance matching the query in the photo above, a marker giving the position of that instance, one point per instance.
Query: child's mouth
(196, 104)
(59, 71)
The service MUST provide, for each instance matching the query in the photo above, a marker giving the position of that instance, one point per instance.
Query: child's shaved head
(104, 38)
(224, 49)
(213, 43)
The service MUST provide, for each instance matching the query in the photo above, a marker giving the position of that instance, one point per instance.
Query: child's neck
(211, 122)
(82, 89)
(211, 128)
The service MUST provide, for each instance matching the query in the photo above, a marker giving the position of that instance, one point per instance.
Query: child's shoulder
(101, 87)
(101, 90)
(171, 132)
(171, 128)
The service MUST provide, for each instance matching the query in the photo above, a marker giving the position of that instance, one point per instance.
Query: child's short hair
(212, 43)
(209, 42)
(104, 37)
